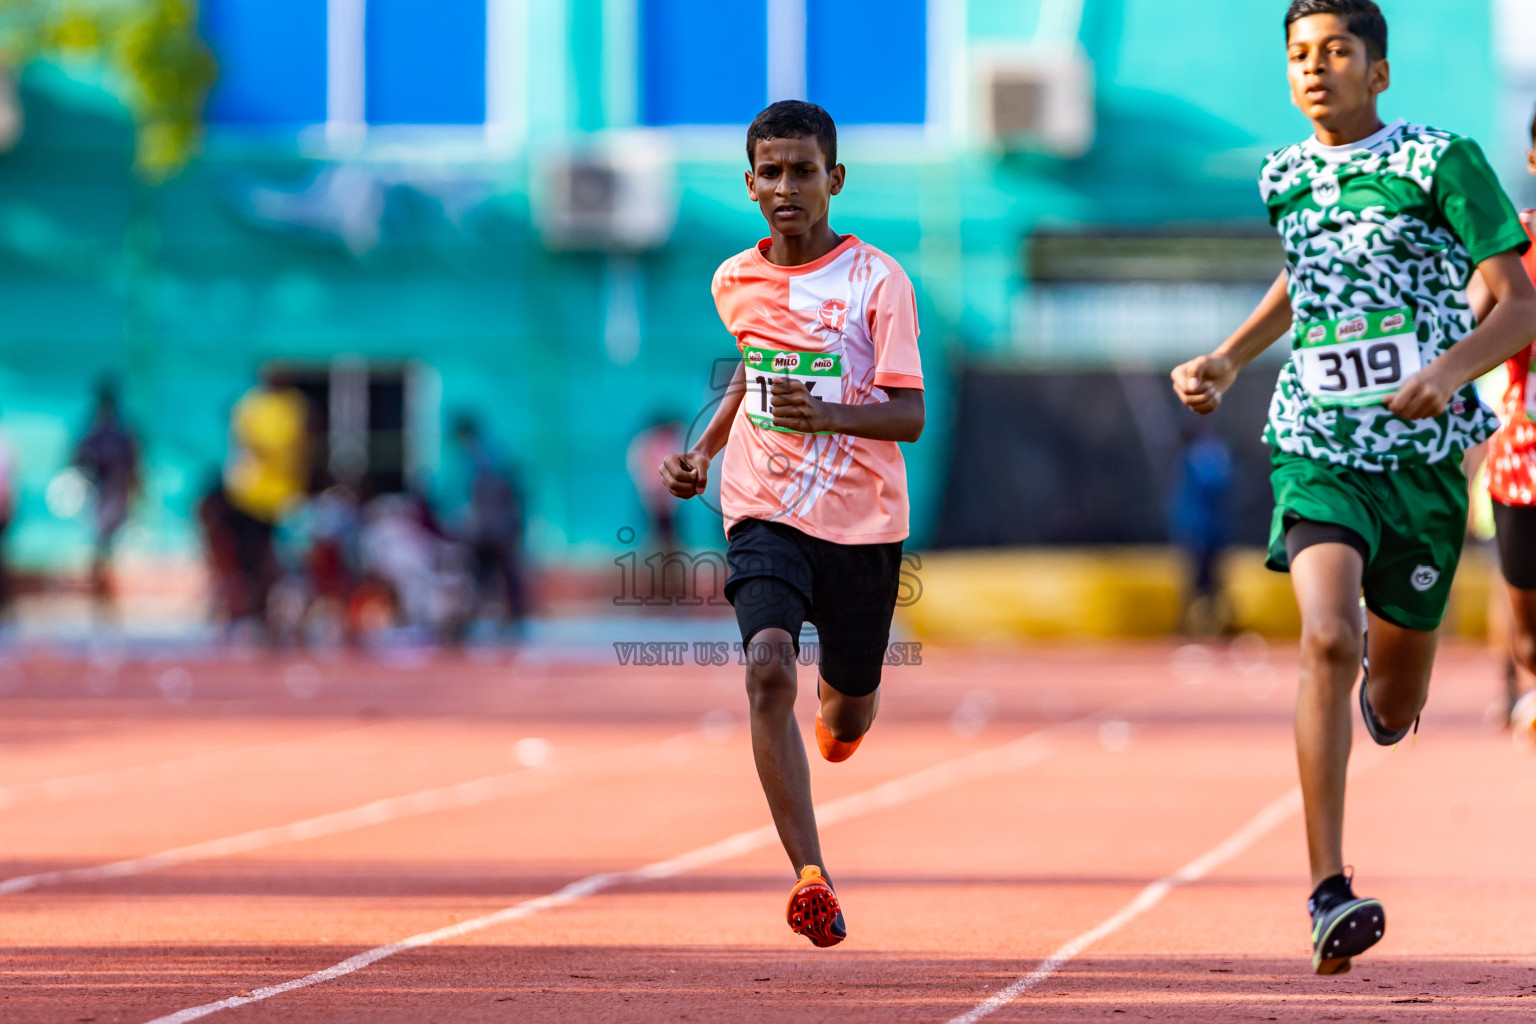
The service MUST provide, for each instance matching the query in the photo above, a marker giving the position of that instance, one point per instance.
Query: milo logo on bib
(1359, 359)
(1352, 328)
(822, 376)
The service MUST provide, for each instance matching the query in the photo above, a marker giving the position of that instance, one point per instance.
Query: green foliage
(153, 55)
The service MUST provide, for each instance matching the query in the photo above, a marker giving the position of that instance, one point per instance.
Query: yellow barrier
(1003, 595)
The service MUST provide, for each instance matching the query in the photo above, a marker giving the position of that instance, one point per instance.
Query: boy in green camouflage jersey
(1383, 227)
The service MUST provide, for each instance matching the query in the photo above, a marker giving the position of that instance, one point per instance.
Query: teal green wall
(183, 294)
(1001, 19)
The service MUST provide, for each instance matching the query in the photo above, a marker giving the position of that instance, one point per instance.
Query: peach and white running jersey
(846, 325)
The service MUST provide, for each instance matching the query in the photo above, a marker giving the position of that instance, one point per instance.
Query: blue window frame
(425, 61)
(703, 62)
(867, 62)
(271, 56)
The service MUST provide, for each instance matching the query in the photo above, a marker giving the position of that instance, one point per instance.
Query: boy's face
(1530, 158)
(1332, 77)
(791, 183)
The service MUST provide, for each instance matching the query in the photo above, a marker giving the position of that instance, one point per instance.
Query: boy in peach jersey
(813, 487)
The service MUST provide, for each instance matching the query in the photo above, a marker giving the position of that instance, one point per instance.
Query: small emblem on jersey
(1458, 407)
(1351, 327)
(833, 314)
(1394, 322)
(786, 361)
(824, 363)
(1424, 577)
(1316, 334)
(1325, 190)
(754, 358)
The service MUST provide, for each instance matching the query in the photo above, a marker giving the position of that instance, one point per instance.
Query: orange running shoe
(813, 910)
(832, 748)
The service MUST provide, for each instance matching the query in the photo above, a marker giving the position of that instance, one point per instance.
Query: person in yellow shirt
(266, 477)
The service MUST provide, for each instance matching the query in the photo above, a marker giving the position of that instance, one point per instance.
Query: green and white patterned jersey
(1381, 238)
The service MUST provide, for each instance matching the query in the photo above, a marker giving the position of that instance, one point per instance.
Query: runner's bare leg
(777, 746)
(1401, 662)
(847, 718)
(1326, 579)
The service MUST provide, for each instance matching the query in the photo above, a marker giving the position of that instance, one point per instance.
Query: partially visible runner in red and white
(1511, 464)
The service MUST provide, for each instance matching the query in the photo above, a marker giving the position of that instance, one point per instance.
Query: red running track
(1010, 809)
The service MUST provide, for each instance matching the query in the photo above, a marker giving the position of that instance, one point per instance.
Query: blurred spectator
(334, 559)
(1200, 522)
(227, 586)
(108, 455)
(493, 527)
(431, 577)
(646, 452)
(318, 548)
(265, 478)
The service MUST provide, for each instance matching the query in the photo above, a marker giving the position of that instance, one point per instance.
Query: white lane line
(116, 780)
(1019, 753)
(427, 801)
(1258, 826)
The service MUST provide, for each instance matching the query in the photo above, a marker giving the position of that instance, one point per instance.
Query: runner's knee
(1331, 641)
(771, 681)
(771, 687)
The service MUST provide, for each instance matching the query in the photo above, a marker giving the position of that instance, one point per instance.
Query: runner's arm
(687, 474)
(1479, 297)
(1201, 382)
(900, 418)
(1508, 328)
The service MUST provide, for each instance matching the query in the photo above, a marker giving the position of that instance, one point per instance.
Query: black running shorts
(779, 578)
(1515, 533)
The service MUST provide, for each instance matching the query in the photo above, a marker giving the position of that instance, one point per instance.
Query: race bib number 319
(1356, 360)
(820, 372)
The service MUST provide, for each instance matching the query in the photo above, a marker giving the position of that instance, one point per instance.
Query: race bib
(820, 372)
(1356, 360)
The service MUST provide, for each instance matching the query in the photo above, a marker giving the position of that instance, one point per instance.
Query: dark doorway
(359, 417)
(1042, 457)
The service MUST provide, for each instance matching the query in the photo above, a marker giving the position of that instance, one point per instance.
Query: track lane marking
(1012, 756)
(1257, 827)
(1270, 817)
(375, 812)
(114, 780)
(1016, 754)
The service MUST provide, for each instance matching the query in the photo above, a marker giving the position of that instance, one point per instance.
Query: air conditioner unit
(1035, 99)
(616, 194)
(10, 111)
